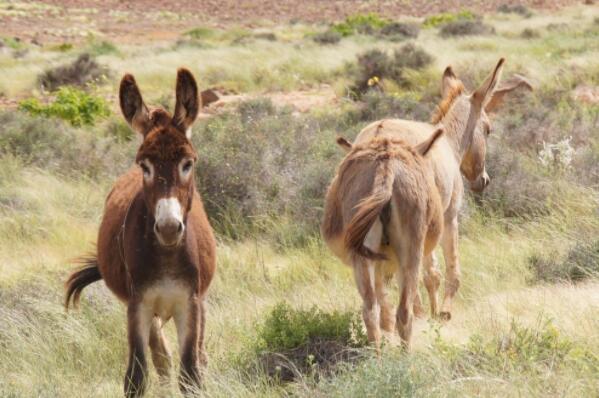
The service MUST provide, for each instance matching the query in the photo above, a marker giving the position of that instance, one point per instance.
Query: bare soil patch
(154, 20)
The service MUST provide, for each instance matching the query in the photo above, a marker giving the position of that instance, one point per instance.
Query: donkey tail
(369, 209)
(86, 275)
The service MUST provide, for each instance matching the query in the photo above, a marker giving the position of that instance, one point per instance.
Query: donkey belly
(166, 298)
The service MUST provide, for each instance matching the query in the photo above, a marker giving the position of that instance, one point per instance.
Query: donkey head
(166, 156)
(478, 106)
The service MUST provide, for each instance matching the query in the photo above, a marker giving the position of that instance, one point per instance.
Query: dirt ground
(56, 21)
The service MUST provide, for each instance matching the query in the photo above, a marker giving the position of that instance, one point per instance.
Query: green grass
(263, 169)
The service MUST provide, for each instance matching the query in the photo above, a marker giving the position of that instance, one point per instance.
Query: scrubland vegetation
(283, 313)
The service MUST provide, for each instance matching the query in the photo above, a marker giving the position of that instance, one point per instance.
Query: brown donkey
(383, 203)
(156, 248)
(461, 151)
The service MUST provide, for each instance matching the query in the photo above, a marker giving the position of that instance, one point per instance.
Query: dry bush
(519, 9)
(397, 31)
(82, 71)
(377, 105)
(465, 28)
(260, 162)
(378, 65)
(327, 37)
(53, 145)
(581, 263)
(517, 187)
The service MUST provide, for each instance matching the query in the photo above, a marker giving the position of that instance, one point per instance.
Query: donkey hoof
(445, 316)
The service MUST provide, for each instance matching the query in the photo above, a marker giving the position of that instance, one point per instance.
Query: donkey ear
(132, 105)
(449, 81)
(425, 146)
(499, 94)
(482, 95)
(188, 104)
(345, 144)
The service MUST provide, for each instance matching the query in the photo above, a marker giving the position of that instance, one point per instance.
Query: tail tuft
(86, 275)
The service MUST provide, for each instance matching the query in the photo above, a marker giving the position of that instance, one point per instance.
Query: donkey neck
(458, 127)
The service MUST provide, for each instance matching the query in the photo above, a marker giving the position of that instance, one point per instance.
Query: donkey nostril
(180, 229)
(156, 228)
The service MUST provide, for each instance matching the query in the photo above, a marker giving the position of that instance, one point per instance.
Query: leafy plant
(73, 105)
(441, 19)
(360, 23)
(307, 339)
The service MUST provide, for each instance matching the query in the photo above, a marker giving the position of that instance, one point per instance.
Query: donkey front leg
(201, 347)
(188, 324)
(139, 321)
(161, 355)
(449, 242)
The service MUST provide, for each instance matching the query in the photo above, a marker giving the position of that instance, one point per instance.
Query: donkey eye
(187, 166)
(145, 169)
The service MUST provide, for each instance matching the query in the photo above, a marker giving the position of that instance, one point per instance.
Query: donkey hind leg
(432, 280)
(387, 318)
(364, 274)
(187, 320)
(410, 252)
(449, 242)
(139, 323)
(161, 355)
(418, 307)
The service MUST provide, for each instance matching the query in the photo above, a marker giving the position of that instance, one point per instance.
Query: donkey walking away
(156, 248)
(460, 152)
(383, 204)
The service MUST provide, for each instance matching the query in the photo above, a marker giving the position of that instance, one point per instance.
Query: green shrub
(521, 349)
(447, 17)
(83, 71)
(307, 340)
(103, 47)
(200, 33)
(72, 105)
(582, 262)
(360, 23)
(464, 28)
(63, 48)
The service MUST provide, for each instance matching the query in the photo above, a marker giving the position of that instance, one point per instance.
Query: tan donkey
(461, 150)
(384, 198)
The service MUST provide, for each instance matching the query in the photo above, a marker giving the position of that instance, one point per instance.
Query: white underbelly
(166, 297)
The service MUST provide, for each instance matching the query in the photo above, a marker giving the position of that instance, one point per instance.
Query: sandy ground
(56, 21)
